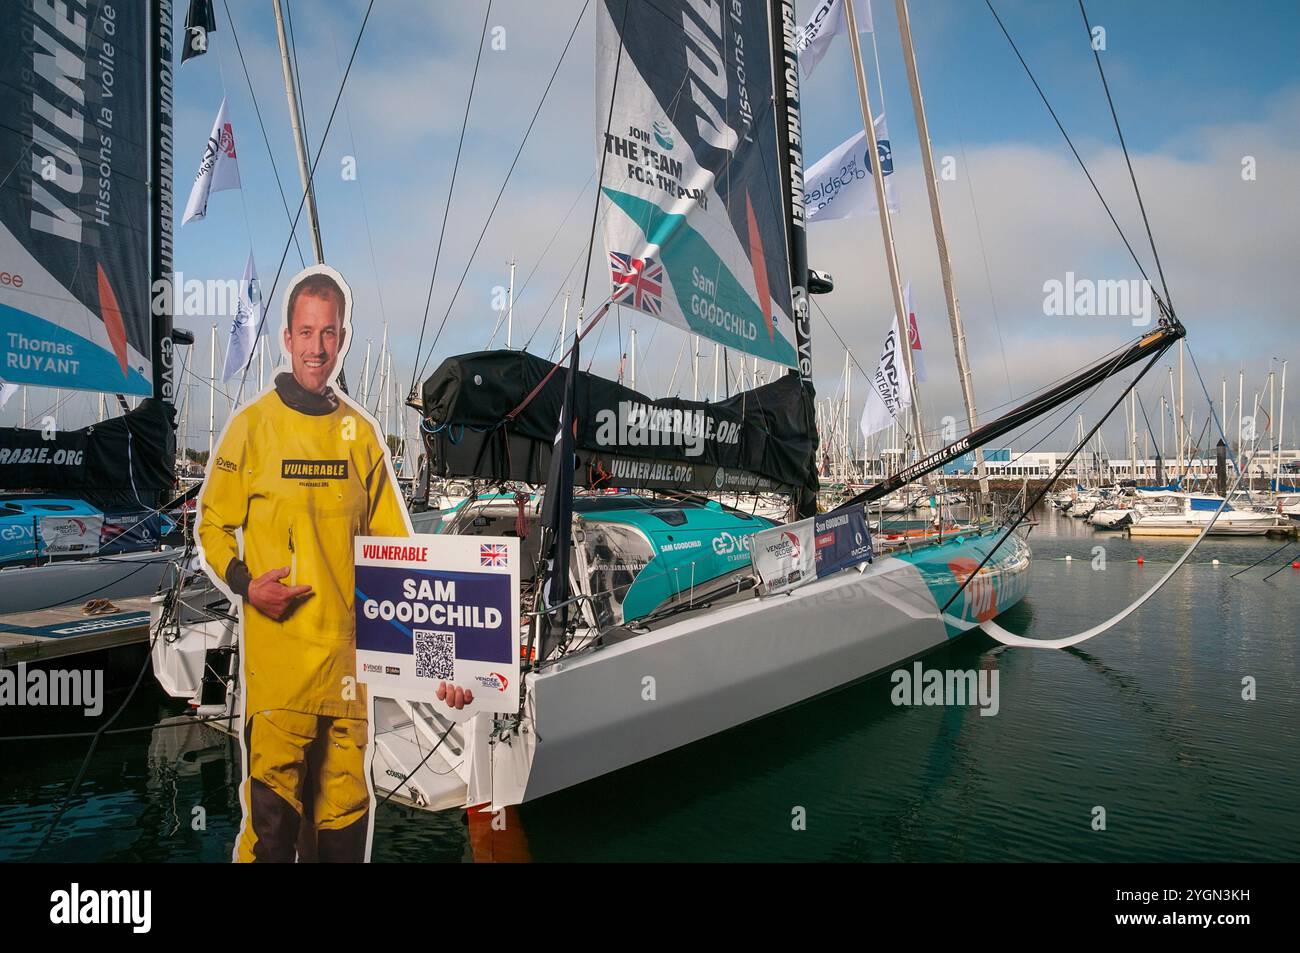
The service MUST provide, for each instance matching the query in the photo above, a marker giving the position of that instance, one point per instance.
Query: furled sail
(480, 422)
(75, 256)
(695, 223)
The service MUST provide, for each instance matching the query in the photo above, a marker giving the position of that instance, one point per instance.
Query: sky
(1198, 88)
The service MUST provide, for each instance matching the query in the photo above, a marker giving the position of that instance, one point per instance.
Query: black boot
(344, 846)
(275, 823)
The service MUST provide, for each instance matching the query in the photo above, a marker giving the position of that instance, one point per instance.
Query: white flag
(839, 185)
(890, 393)
(7, 390)
(914, 336)
(248, 320)
(219, 169)
(826, 22)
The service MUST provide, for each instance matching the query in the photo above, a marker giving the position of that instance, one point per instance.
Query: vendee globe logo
(493, 680)
(663, 135)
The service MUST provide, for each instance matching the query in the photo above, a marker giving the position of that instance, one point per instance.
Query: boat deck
(65, 631)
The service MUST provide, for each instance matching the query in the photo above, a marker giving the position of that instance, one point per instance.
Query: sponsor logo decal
(314, 470)
(727, 544)
(980, 597)
(663, 135)
(224, 464)
(228, 141)
(493, 680)
(785, 546)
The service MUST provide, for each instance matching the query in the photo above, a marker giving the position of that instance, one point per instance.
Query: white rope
(996, 631)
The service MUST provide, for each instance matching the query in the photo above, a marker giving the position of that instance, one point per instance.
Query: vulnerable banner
(786, 557)
(439, 609)
(482, 422)
(74, 196)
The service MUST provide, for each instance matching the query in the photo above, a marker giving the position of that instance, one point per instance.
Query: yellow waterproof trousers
(296, 762)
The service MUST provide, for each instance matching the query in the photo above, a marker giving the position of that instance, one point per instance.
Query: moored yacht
(1187, 514)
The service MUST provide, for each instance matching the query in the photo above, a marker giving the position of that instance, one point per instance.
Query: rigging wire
(1164, 285)
(361, 192)
(1042, 492)
(265, 138)
(451, 190)
(988, 275)
(1078, 158)
(387, 797)
(491, 212)
(556, 234)
(1008, 638)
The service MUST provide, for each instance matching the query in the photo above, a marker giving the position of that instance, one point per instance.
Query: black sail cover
(93, 461)
(761, 440)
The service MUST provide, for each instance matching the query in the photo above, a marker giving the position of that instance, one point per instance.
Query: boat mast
(1241, 414)
(695, 368)
(1133, 434)
(940, 237)
(365, 375)
(212, 392)
(299, 141)
(789, 138)
(632, 358)
(1223, 406)
(1271, 417)
(848, 402)
(159, 85)
(564, 321)
(786, 100)
(510, 309)
(1281, 434)
(1183, 450)
(886, 228)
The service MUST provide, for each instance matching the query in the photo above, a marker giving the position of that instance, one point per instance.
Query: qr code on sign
(435, 654)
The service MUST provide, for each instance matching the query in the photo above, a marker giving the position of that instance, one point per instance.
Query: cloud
(1226, 243)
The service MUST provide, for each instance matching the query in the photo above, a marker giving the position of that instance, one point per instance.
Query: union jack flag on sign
(492, 554)
(638, 282)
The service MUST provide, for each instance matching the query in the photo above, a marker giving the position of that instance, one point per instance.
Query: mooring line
(1000, 634)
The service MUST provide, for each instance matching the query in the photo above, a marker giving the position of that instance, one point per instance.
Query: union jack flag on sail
(638, 282)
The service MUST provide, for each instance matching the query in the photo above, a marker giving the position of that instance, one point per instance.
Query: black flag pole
(557, 507)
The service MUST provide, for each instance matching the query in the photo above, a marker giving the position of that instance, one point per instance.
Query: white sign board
(439, 609)
(70, 535)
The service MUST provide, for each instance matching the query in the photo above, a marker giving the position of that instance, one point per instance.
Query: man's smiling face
(313, 340)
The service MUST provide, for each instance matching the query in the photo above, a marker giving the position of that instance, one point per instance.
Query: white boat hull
(601, 711)
(64, 582)
(1149, 527)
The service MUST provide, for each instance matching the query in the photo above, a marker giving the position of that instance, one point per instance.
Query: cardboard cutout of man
(300, 471)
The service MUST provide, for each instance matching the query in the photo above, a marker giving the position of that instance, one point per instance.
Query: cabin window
(613, 556)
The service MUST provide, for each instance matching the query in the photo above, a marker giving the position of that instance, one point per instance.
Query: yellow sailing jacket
(301, 482)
